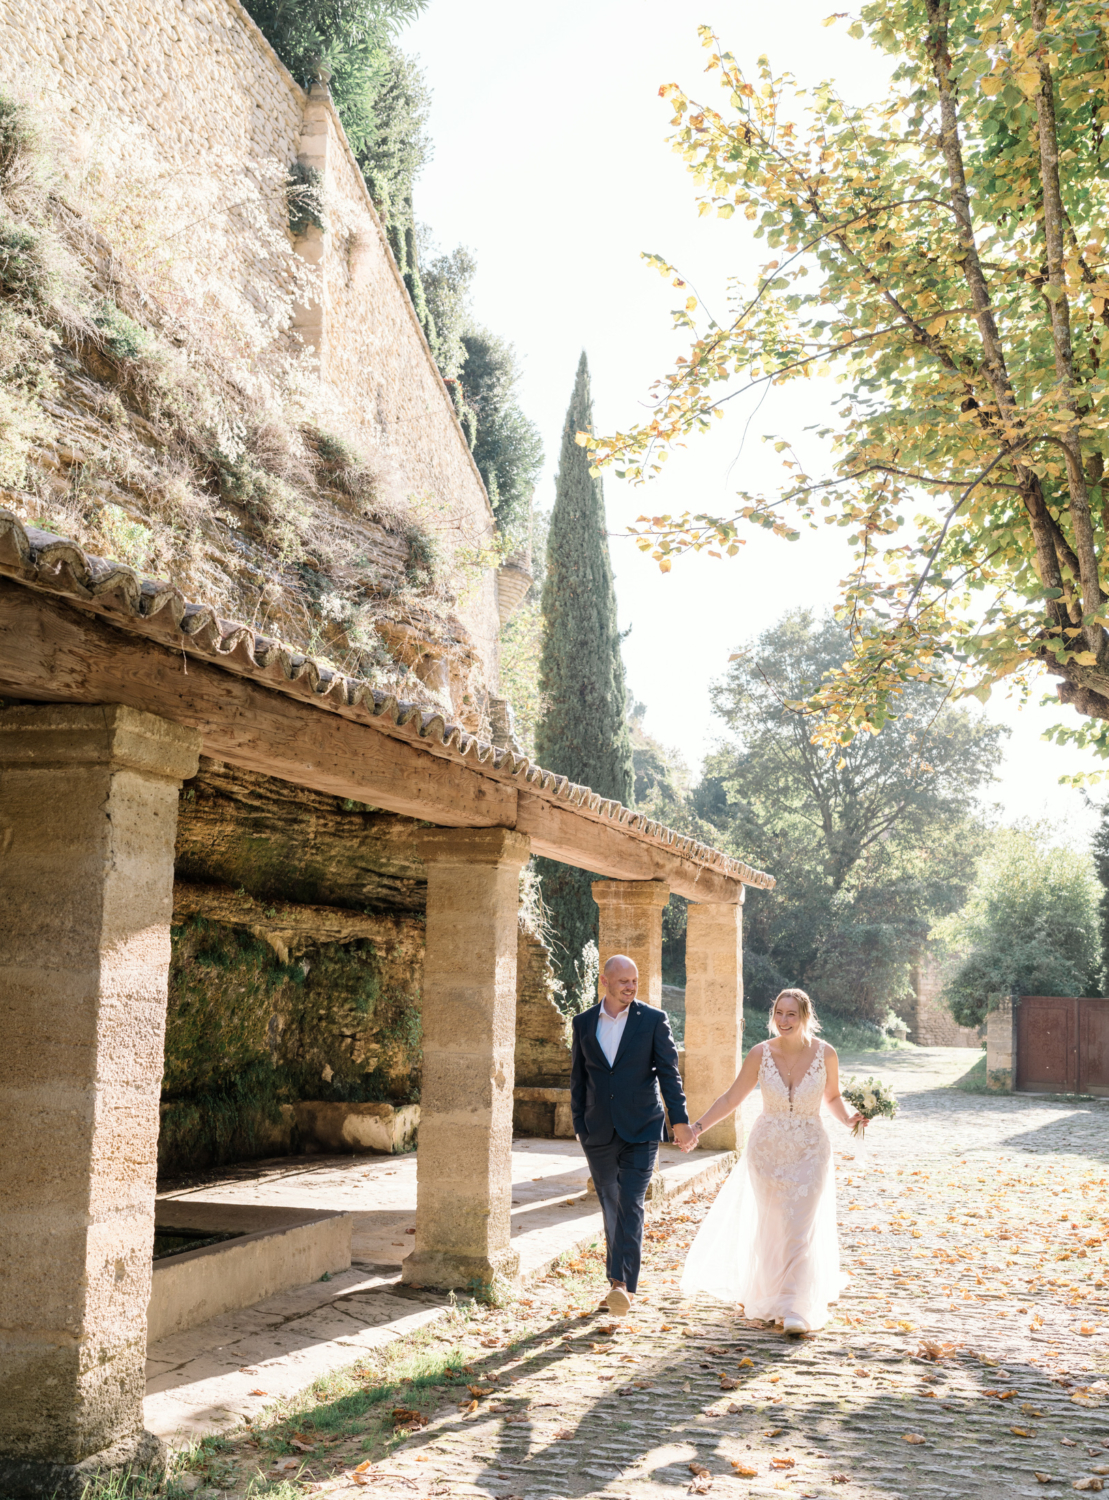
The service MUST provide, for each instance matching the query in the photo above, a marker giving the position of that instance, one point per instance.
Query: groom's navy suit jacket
(626, 1098)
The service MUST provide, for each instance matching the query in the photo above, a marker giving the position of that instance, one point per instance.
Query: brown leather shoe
(618, 1302)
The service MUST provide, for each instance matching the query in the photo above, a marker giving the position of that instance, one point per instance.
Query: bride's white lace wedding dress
(769, 1241)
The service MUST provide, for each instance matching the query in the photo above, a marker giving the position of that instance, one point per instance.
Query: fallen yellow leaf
(913, 1437)
(744, 1470)
(1024, 1432)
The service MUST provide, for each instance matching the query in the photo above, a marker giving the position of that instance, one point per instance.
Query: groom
(624, 1065)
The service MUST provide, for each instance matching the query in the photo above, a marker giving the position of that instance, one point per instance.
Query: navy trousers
(621, 1173)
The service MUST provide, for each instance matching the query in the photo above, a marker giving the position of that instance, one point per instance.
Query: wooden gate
(1093, 1047)
(1063, 1044)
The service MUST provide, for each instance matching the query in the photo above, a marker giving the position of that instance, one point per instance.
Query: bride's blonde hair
(810, 1025)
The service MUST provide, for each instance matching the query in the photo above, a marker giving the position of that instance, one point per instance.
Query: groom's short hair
(619, 958)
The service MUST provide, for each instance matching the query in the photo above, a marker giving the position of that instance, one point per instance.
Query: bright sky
(552, 164)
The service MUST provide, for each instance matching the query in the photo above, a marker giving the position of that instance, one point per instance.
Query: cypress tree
(583, 730)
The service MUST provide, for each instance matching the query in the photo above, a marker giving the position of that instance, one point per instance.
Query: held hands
(687, 1136)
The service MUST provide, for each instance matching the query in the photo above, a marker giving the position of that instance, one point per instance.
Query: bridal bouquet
(872, 1098)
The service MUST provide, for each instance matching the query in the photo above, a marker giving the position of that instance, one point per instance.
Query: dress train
(769, 1242)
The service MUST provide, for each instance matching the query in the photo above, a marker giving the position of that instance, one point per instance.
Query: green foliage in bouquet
(872, 1099)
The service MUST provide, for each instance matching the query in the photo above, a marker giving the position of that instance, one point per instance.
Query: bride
(769, 1241)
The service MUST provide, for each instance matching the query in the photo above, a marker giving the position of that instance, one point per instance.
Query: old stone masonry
(968, 1357)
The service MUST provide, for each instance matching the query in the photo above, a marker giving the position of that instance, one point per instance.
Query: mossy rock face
(285, 842)
(247, 1033)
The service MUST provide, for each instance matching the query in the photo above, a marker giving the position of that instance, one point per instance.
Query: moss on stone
(247, 1033)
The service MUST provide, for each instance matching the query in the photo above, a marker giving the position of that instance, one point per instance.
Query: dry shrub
(157, 302)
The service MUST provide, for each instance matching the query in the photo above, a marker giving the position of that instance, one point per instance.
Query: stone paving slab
(968, 1355)
(233, 1367)
(551, 1209)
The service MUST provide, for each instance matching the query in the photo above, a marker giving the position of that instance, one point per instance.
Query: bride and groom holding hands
(769, 1241)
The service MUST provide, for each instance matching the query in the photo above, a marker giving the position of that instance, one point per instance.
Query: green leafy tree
(867, 848)
(943, 254)
(483, 373)
(1031, 925)
(507, 447)
(343, 36)
(583, 731)
(381, 98)
(351, 41)
(391, 159)
(1099, 849)
(447, 280)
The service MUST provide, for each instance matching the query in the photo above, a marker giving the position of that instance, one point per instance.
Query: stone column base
(440, 1268)
(29, 1478)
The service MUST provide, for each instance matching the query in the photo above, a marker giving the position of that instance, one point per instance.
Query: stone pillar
(468, 1007)
(88, 817)
(713, 1014)
(1001, 1044)
(631, 923)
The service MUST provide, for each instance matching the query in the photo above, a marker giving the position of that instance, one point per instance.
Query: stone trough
(273, 1250)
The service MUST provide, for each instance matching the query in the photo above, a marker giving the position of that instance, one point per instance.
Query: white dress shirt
(610, 1031)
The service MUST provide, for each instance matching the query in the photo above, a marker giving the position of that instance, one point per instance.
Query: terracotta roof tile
(160, 611)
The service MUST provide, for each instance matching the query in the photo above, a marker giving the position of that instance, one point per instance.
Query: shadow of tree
(674, 1414)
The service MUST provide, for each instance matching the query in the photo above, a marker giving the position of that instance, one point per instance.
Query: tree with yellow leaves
(943, 253)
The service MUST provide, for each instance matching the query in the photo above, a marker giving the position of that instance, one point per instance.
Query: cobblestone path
(968, 1356)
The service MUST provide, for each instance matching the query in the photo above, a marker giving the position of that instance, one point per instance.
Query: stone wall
(191, 82)
(929, 1021)
(541, 1106)
(384, 365)
(542, 1046)
(251, 1028)
(193, 85)
(297, 972)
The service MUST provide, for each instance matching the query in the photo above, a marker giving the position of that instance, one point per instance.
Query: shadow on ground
(829, 1422)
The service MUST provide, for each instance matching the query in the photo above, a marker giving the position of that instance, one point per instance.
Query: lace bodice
(808, 1091)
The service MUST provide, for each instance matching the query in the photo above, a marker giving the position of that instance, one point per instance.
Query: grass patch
(347, 1417)
(359, 1401)
(973, 1081)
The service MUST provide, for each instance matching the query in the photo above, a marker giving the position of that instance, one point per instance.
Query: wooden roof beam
(54, 651)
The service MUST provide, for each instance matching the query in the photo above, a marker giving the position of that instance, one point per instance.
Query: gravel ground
(967, 1357)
